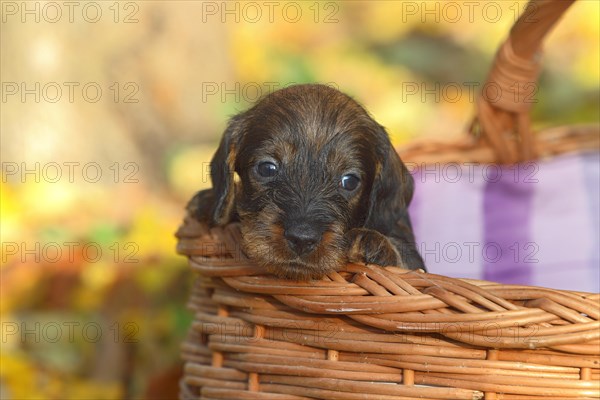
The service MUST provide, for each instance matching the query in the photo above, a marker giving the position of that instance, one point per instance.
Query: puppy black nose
(302, 238)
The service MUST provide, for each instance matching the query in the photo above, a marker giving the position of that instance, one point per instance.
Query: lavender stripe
(591, 173)
(447, 216)
(507, 206)
(576, 275)
(563, 223)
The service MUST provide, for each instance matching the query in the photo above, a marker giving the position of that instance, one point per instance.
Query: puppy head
(312, 164)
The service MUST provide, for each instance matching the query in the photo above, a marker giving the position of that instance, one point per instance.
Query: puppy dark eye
(267, 169)
(349, 182)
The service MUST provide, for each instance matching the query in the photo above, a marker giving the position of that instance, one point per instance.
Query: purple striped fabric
(533, 224)
(507, 201)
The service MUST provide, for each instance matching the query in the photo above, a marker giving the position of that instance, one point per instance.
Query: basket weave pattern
(378, 333)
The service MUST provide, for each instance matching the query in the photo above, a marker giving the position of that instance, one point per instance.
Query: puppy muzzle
(303, 237)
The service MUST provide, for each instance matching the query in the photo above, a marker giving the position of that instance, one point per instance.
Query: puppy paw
(200, 206)
(371, 247)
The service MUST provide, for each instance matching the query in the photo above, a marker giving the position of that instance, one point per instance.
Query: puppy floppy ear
(222, 168)
(392, 189)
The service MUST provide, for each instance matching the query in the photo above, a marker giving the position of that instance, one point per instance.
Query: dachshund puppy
(314, 182)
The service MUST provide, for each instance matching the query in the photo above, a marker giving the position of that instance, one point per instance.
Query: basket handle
(503, 108)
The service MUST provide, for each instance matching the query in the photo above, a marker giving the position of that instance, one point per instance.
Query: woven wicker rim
(376, 297)
(368, 326)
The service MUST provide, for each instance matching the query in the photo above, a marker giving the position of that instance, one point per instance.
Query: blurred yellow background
(110, 112)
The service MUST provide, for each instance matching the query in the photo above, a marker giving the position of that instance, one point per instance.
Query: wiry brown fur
(315, 134)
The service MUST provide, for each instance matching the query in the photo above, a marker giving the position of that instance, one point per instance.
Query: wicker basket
(384, 333)
(373, 333)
